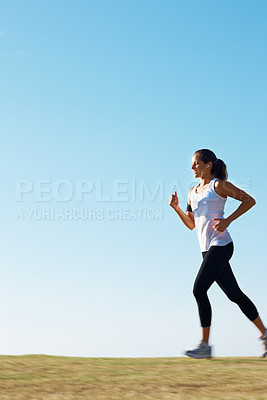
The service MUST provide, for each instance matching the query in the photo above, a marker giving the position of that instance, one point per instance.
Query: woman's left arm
(224, 189)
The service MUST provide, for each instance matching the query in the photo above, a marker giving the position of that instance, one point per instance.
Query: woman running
(205, 211)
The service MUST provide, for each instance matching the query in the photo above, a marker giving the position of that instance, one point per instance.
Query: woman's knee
(199, 291)
(235, 296)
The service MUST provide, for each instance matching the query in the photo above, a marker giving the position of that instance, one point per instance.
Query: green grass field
(63, 378)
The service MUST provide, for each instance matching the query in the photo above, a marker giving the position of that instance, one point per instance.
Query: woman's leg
(229, 285)
(214, 261)
(206, 334)
(259, 324)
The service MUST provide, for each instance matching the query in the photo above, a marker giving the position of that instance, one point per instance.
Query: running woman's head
(205, 163)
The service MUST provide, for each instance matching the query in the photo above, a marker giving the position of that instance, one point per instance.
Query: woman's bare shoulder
(220, 185)
(189, 193)
(191, 189)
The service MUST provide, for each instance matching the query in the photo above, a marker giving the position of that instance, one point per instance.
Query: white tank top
(205, 206)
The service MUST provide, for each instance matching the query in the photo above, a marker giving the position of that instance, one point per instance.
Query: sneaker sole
(199, 357)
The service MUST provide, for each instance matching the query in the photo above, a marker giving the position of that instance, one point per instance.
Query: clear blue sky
(115, 97)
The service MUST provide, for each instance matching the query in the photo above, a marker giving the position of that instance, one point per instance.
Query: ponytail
(219, 169)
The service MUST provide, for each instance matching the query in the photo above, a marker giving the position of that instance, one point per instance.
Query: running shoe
(201, 351)
(264, 342)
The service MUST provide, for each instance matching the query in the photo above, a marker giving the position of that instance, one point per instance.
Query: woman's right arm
(188, 219)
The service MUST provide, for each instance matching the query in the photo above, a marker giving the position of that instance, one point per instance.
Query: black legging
(216, 267)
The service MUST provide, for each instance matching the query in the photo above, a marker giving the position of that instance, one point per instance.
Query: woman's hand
(173, 202)
(221, 225)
